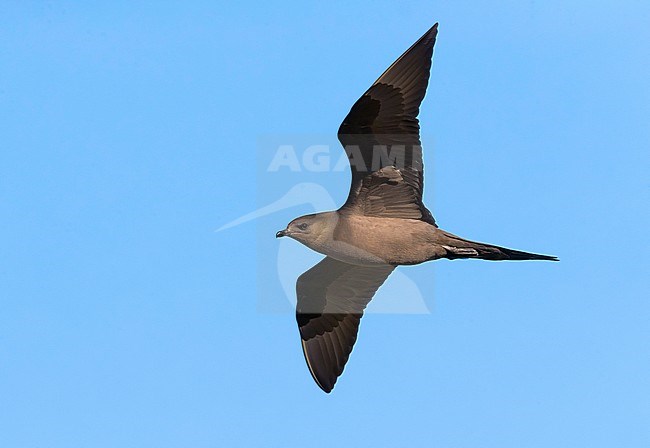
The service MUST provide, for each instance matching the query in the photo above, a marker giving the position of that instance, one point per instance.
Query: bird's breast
(365, 240)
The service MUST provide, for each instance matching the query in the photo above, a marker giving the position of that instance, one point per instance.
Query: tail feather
(457, 247)
(488, 252)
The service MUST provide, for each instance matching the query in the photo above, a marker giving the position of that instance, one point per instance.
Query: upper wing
(331, 298)
(382, 128)
(385, 193)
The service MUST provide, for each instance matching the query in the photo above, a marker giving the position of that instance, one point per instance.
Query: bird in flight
(383, 223)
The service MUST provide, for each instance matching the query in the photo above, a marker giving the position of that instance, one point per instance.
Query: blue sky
(129, 133)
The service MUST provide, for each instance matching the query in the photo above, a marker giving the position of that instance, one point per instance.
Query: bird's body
(369, 240)
(384, 222)
(394, 241)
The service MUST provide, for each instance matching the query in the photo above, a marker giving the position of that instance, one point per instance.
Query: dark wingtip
(433, 30)
(429, 36)
(325, 387)
(325, 384)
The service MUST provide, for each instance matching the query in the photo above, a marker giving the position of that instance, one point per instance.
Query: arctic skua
(383, 223)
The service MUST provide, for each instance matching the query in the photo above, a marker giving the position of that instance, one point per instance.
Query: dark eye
(303, 226)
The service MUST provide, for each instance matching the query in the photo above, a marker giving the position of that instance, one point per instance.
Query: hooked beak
(281, 233)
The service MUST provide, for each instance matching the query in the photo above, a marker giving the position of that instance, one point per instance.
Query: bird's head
(310, 228)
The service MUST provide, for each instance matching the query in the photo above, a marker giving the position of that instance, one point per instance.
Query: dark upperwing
(382, 128)
(331, 298)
